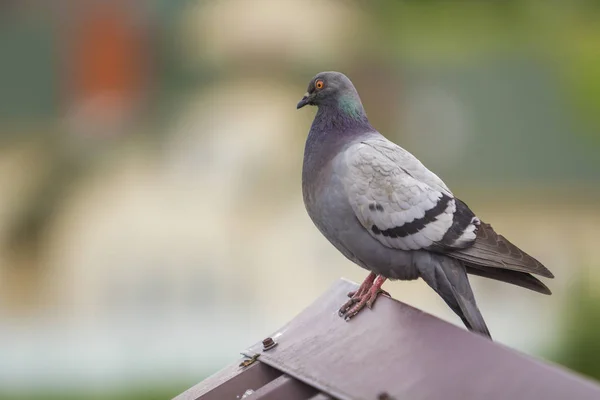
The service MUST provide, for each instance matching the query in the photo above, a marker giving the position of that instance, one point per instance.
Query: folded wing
(405, 206)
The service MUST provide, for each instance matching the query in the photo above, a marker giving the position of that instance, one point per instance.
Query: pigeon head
(333, 90)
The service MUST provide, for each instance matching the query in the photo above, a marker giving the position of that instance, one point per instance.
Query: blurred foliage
(579, 348)
(148, 393)
(26, 88)
(566, 34)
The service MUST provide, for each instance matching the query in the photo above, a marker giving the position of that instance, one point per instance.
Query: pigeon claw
(371, 300)
(347, 306)
(354, 311)
(364, 296)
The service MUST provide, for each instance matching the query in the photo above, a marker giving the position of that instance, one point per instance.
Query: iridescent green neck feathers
(351, 106)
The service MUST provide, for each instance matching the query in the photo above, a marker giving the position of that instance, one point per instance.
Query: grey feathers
(385, 211)
(522, 279)
(493, 250)
(415, 214)
(448, 278)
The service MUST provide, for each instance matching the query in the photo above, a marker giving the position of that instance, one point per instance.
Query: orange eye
(319, 84)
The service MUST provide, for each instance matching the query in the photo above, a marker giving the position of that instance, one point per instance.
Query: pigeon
(389, 214)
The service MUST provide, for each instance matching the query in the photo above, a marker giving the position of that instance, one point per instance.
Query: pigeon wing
(396, 199)
(405, 206)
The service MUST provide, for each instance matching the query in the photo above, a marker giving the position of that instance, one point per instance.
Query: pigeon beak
(303, 102)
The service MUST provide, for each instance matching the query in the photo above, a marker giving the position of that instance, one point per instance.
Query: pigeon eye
(319, 84)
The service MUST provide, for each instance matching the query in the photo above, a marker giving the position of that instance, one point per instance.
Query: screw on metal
(268, 343)
(249, 361)
(384, 396)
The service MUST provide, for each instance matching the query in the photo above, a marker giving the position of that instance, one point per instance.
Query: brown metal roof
(393, 352)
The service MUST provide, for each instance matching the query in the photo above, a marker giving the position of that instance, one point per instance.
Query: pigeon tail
(448, 277)
(493, 250)
(517, 278)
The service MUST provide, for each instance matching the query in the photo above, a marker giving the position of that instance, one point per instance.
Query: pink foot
(365, 296)
(366, 285)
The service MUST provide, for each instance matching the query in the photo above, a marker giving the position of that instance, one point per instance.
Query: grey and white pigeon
(385, 211)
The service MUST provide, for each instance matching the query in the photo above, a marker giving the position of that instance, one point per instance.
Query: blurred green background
(151, 220)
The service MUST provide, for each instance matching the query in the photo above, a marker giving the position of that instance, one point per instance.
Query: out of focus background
(151, 217)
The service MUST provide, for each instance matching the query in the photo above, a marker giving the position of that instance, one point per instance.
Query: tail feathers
(522, 279)
(471, 315)
(448, 277)
(493, 250)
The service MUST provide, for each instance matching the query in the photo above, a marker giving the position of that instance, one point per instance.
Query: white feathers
(469, 234)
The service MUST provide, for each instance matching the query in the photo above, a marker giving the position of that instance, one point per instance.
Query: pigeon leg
(366, 285)
(360, 300)
(363, 288)
(356, 295)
